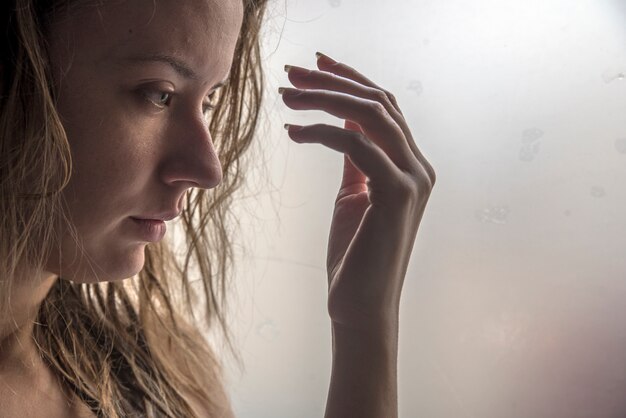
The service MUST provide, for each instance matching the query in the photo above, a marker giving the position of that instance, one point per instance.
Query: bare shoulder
(39, 396)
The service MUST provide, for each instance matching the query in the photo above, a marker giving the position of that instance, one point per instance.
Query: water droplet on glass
(531, 144)
(536, 147)
(527, 153)
(597, 191)
(334, 3)
(613, 74)
(620, 145)
(415, 86)
(267, 330)
(494, 215)
(531, 135)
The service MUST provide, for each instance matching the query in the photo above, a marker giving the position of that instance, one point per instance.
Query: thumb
(351, 174)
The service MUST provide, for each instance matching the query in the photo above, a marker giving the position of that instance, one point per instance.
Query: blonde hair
(100, 339)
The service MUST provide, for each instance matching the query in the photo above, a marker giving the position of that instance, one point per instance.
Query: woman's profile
(118, 115)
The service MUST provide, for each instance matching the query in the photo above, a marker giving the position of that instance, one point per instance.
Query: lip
(151, 230)
(165, 216)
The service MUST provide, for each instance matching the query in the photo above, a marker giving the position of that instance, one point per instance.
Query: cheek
(88, 125)
(107, 143)
(108, 177)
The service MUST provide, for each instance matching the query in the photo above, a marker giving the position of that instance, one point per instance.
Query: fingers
(364, 155)
(327, 64)
(373, 112)
(311, 79)
(369, 114)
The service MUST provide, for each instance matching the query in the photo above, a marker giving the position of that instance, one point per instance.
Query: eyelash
(147, 93)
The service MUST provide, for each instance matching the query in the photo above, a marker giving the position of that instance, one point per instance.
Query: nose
(192, 157)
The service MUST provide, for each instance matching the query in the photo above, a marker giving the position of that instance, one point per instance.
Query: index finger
(325, 63)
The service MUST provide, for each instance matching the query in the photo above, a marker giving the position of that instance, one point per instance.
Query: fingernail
(296, 70)
(329, 59)
(296, 128)
(288, 91)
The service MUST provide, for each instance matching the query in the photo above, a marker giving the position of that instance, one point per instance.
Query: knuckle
(424, 178)
(386, 98)
(381, 96)
(431, 176)
(378, 108)
(332, 77)
(391, 97)
(416, 185)
(350, 71)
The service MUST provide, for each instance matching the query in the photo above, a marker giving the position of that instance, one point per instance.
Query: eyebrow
(179, 66)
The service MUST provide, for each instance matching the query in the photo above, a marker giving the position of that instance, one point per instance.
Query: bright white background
(514, 303)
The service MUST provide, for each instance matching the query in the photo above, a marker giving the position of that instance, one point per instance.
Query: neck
(18, 351)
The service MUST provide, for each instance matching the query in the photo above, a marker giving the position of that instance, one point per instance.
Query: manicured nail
(288, 91)
(329, 59)
(296, 70)
(296, 128)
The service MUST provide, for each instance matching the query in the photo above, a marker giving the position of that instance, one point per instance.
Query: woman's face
(134, 81)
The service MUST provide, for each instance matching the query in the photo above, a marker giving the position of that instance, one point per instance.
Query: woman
(118, 115)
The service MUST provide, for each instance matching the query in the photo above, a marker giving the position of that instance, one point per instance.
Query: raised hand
(386, 185)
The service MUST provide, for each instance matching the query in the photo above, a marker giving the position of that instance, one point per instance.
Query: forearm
(363, 382)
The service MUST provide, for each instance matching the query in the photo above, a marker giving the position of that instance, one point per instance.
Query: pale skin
(138, 150)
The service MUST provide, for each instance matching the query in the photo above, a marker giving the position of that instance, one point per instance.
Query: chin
(124, 264)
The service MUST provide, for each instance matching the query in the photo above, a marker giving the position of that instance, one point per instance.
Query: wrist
(375, 336)
(368, 323)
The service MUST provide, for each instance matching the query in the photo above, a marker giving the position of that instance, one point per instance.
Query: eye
(208, 106)
(158, 98)
(162, 99)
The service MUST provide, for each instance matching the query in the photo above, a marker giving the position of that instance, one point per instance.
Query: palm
(351, 207)
(347, 216)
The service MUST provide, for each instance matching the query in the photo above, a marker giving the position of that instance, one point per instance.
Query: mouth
(165, 216)
(151, 230)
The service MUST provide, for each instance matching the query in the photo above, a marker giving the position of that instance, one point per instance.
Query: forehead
(202, 32)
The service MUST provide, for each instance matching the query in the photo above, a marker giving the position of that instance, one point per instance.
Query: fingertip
(292, 128)
(324, 58)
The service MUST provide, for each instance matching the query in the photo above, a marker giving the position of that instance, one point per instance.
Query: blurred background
(514, 303)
